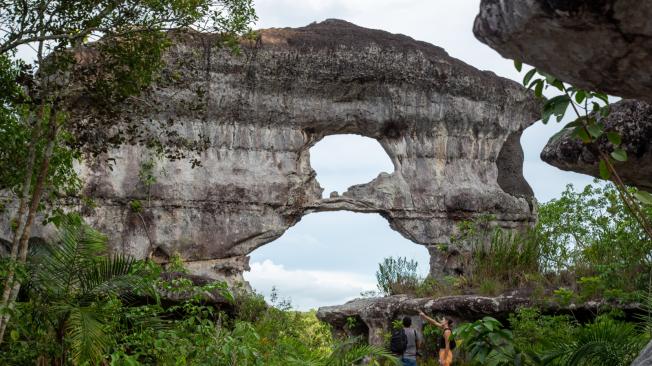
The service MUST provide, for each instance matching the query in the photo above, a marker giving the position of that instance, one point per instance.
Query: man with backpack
(405, 342)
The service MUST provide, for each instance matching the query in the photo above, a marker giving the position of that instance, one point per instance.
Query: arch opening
(329, 258)
(342, 161)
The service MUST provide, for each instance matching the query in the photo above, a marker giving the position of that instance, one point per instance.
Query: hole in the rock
(345, 160)
(329, 258)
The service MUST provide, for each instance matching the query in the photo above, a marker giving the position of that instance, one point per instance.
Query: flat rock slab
(376, 314)
(603, 45)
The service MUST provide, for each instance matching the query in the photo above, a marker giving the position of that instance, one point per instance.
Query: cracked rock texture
(451, 131)
(601, 45)
(633, 120)
(374, 316)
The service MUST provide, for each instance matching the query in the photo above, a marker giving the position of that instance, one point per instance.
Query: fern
(74, 282)
(605, 342)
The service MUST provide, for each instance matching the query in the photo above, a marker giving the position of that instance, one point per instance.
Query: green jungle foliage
(585, 246)
(536, 339)
(81, 306)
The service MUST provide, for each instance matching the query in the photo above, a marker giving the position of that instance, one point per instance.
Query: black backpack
(398, 342)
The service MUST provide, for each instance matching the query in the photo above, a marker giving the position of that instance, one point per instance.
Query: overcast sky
(329, 258)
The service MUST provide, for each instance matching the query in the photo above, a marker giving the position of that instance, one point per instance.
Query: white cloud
(345, 160)
(341, 241)
(308, 289)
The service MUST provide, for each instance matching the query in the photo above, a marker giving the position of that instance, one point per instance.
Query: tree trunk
(31, 215)
(29, 172)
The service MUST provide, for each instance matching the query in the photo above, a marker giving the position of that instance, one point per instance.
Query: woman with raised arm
(444, 341)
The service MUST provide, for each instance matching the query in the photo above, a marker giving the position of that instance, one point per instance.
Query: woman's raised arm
(429, 319)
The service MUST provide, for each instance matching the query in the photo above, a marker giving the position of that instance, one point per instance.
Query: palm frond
(353, 351)
(86, 334)
(116, 275)
(57, 266)
(605, 342)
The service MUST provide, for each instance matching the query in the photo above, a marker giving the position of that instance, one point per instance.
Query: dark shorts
(408, 362)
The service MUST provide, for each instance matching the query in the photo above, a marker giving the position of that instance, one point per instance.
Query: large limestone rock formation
(633, 120)
(451, 131)
(601, 45)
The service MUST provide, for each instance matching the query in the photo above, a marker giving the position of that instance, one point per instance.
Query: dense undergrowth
(585, 246)
(81, 306)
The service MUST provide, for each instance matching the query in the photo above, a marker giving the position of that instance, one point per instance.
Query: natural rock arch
(443, 123)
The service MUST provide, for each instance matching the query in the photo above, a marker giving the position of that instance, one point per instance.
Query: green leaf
(595, 130)
(528, 77)
(604, 171)
(614, 138)
(604, 111)
(580, 96)
(560, 106)
(619, 154)
(644, 197)
(538, 90)
(602, 96)
(14, 335)
(581, 133)
(548, 109)
(558, 84)
(549, 78)
(518, 65)
(555, 106)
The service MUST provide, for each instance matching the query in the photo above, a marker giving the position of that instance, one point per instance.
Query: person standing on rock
(409, 356)
(445, 344)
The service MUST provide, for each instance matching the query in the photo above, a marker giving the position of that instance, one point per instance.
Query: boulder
(603, 45)
(633, 121)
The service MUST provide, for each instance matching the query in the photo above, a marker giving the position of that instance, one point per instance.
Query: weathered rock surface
(601, 45)
(645, 358)
(451, 131)
(375, 315)
(633, 120)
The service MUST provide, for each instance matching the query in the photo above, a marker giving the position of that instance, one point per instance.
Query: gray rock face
(601, 45)
(645, 358)
(633, 120)
(375, 315)
(451, 131)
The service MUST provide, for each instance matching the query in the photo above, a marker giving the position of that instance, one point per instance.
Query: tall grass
(508, 258)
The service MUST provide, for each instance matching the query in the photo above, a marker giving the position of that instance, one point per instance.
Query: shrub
(397, 276)
(603, 342)
(486, 342)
